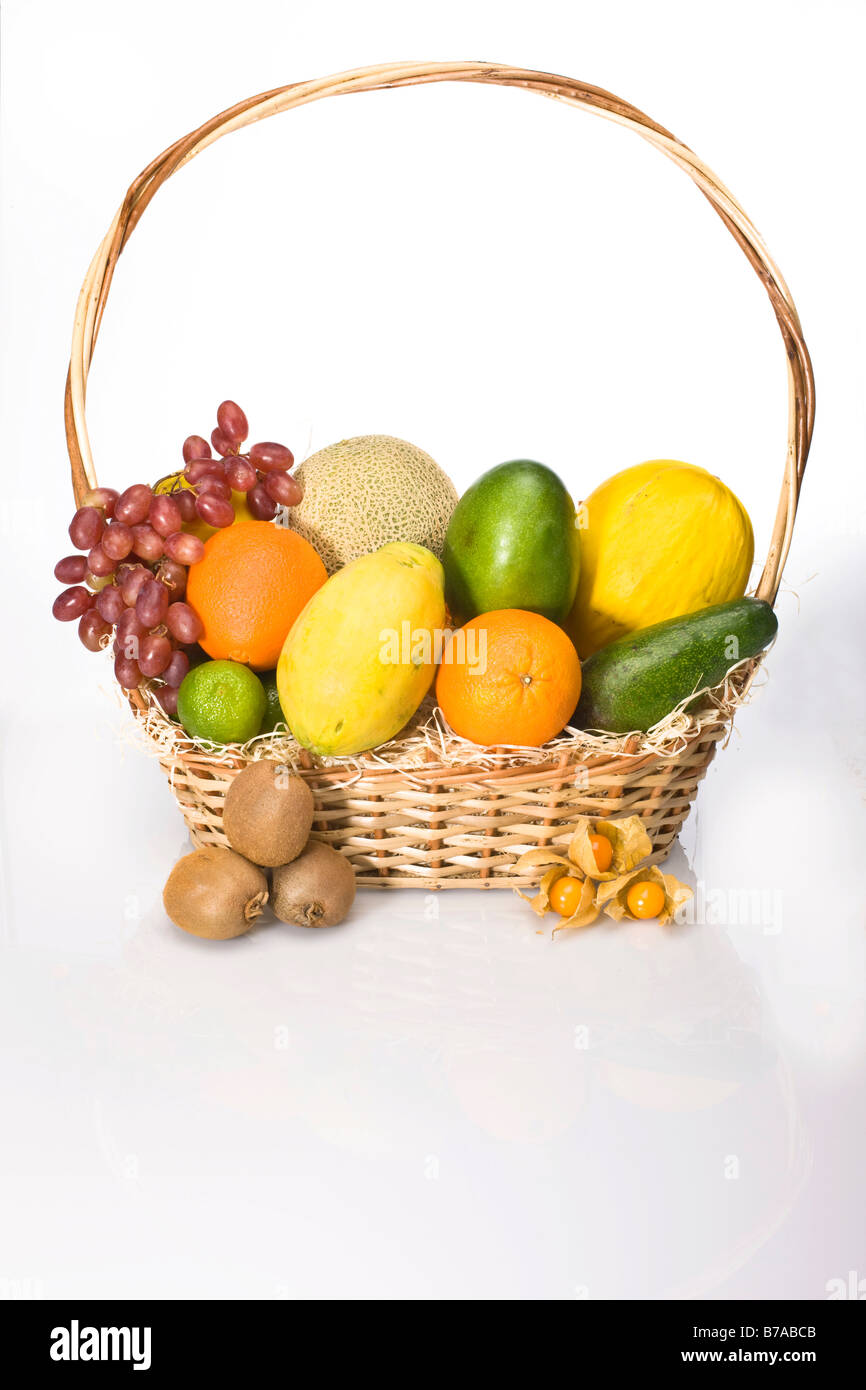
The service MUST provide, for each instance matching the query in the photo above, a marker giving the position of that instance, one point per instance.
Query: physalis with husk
(601, 872)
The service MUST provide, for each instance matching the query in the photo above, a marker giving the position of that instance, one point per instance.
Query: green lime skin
(274, 718)
(221, 701)
(513, 542)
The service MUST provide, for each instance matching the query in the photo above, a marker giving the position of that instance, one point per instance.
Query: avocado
(513, 542)
(636, 681)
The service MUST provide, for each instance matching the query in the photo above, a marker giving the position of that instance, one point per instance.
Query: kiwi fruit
(268, 813)
(215, 893)
(315, 890)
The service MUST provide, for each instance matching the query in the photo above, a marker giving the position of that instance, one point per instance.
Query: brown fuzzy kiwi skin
(215, 893)
(268, 813)
(315, 890)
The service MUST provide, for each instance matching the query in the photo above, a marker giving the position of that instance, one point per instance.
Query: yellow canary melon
(658, 540)
(362, 654)
(363, 493)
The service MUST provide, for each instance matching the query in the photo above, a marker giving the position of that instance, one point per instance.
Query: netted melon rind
(364, 492)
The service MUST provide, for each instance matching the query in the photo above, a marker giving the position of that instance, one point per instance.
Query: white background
(436, 1100)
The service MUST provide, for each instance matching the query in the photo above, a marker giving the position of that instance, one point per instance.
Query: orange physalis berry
(602, 850)
(565, 895)
(645, 899)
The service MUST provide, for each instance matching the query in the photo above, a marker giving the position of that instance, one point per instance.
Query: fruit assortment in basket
(325, 605)
(441, 623)
(211, 588)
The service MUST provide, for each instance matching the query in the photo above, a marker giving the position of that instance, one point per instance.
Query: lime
(274, 716)
(221, 701)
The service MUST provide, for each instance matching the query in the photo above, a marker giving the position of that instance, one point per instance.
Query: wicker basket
(457, 819)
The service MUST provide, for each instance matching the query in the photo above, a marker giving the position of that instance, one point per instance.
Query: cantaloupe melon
(366, 492)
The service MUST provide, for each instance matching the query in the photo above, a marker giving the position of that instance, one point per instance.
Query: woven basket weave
(455, 820)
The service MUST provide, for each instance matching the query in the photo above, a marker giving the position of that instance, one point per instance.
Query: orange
(509, 677)
(249, 586)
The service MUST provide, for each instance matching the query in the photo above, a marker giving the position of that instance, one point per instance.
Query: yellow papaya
(361, 655)
(658, 540)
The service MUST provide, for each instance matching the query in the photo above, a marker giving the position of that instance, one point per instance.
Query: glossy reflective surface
(433, 1100)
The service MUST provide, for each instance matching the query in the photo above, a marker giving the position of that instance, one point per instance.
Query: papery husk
(534, 858)
(628, 838)
(611, 896)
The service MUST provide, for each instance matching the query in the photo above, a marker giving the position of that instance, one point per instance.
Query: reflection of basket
(446, 822)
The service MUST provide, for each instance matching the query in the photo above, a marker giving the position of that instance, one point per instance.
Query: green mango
(513, 542)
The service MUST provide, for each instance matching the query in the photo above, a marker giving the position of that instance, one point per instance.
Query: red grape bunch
(131, 583)
(262, 472)
(128, 589)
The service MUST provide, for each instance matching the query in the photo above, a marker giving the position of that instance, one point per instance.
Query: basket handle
(94, 291)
